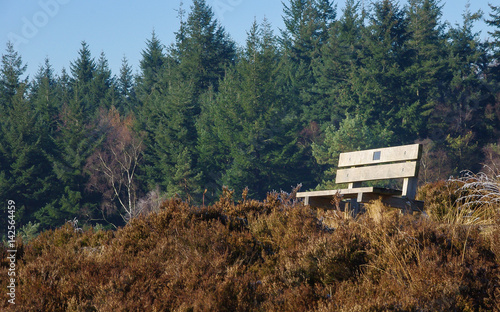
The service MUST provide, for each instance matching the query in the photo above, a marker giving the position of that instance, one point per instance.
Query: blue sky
(56, 28)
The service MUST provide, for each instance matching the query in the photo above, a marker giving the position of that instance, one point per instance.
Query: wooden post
(409, 188)
(354, 204)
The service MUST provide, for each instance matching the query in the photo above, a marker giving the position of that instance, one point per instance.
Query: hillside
(201, 112)
(271, 255)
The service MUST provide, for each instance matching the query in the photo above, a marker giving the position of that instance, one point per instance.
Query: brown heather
(275, 255)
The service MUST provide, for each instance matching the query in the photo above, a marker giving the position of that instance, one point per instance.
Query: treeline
(204, 113)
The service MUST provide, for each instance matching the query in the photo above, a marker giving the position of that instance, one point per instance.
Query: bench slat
(368, 189)
(380, 155)
(380, 172)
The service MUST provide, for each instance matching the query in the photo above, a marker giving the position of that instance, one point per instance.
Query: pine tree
(126, 89)
(170, 138)
(152, 64)
(378, 83)
(307, 26)
(494, 22)
(25, 171)
(202, 49)
(340, 57)
(103, 84)
(83, 71)
(243, 129)
(10, 75)
(428, 74)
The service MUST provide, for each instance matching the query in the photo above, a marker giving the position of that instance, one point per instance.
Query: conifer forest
(203, 113)
(171, 187)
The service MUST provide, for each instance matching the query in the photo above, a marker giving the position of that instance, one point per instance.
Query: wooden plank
(380, 172)
(380, 155)
(332, 192)
(368, 189)
(395, 202)
(324, 202)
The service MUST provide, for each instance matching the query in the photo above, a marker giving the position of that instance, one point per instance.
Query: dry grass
(274, 255)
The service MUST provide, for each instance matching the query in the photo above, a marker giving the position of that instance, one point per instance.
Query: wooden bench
(354, 168)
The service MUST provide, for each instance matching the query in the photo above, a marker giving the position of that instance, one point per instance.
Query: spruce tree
(493, 70)
(202, 49)
(378, 83)
(340, 58)
(494, 21)
(127, 101)
(83, 70)
(244, 128)
(428, 74)
(10, 75)
(76, 139)
(462, 113)
(194, 65)
(307, 25)
(25, 170)
(43, 95)
(75, 142)
(104, 90)
(170, 138)
(151, 64)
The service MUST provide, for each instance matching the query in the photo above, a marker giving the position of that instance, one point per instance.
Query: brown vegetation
(275, 255)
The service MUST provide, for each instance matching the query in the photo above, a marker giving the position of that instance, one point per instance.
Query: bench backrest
(381, 164)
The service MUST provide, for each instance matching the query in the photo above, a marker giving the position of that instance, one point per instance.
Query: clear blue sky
(56, 28)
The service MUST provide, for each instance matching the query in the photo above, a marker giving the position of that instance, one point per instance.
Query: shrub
(274, 255)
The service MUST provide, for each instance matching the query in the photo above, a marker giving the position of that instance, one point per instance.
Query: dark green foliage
(25, 144)
(494, 21)
(307, 24)
(126, 89)
(10, 74)
(202, 49)
(170, 138)
(245, 137)
(151, 65)
(104, 88)
(333, 71)
(27, 172)
(83, 71)
(427, 74)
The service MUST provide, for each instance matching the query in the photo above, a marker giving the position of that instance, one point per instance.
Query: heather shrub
(440, 199)
(271, 255)
(469, 199)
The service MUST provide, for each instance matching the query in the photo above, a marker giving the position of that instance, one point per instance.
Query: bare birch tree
(113, 167)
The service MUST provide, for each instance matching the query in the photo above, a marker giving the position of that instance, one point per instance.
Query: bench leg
(353, 207)
(408, 208)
